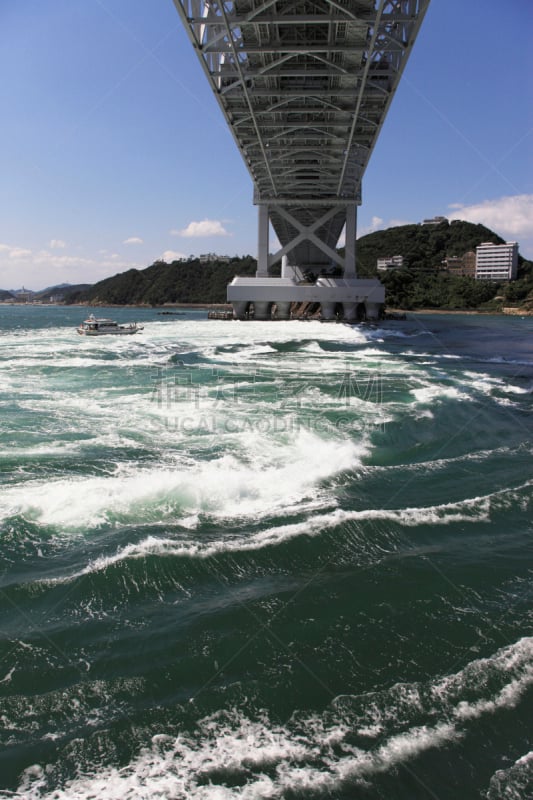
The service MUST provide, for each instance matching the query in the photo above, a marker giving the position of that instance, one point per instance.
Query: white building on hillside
(391, 262)
(433, 221)
(496, 262)
(206, 258)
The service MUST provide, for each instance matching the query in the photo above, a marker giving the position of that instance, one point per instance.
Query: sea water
(265, 560)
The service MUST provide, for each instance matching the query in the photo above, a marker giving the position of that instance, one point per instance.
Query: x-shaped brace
(306, 233)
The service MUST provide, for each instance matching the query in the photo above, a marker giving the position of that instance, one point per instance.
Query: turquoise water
(265, 560)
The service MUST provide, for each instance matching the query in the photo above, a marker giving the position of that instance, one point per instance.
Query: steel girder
(304, 86)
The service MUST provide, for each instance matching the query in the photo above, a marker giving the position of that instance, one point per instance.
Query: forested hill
(423, 247)
(179, 282)
(420, 284)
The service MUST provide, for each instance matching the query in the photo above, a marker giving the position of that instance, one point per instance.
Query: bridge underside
(305, 86)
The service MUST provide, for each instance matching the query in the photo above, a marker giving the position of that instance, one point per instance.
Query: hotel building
(391, 262)
(496, 262)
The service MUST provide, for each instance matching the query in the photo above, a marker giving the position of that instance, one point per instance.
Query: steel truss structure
(305, 86)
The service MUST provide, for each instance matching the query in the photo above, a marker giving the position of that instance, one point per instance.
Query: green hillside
(62, 290)
(422, 246)
(421, 284)
(179, 282)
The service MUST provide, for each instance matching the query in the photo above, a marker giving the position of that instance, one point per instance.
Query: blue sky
(113, 151)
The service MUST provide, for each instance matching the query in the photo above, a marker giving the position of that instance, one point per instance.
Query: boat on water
(100, 326)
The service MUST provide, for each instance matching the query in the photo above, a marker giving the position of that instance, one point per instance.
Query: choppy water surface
(266, 560)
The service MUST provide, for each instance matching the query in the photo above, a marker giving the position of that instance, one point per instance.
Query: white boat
(100, 326)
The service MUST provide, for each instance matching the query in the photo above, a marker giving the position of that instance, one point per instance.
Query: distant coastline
(421, 285)
(505, 312)
(224, 306)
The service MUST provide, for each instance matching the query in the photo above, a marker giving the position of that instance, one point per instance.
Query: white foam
(7, 677)
(513, 783)
(431, 392)
(263, 480)
(487, 384)
(317, 752)
(471, 510)
(444, 463)
(58, 448)
(233, 744)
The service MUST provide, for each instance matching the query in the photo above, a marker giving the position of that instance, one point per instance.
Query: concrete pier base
(327, 311)
(349, 312)
(240, 309)
(333, 294)
(283, 310)
(372, 310)
(262, 310)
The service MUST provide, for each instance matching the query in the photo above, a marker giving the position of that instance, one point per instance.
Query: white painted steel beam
(304, 86)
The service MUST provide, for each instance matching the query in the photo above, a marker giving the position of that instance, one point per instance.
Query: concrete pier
(339, 298)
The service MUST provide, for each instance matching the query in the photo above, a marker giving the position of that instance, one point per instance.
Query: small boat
(100, 326)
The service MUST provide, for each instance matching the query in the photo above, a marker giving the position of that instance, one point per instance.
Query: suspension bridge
(305, 86)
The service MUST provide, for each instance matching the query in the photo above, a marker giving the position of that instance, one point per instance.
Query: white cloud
(14, 252)
(172, 255)
(379, 224)
(207, 227)
(133, 240)
(19, 252)
(376, 224)
(57, 244)
(38, 268)
(47, 259)
(509, 216)
(397, 223)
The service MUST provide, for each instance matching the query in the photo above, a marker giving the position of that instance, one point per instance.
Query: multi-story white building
(391, 262)
(206, 258)
(433, 221)
(496, 262)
